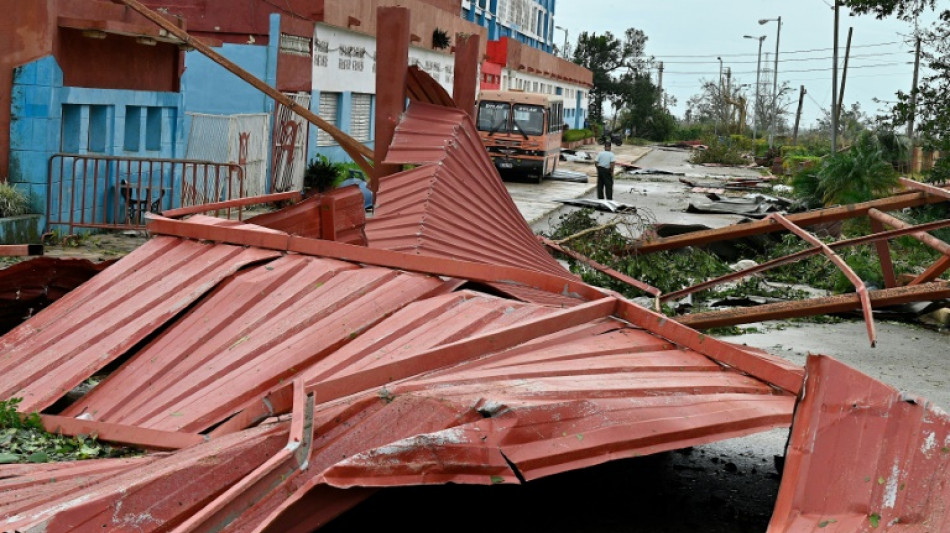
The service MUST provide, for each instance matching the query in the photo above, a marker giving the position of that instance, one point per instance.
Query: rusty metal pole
(392, 69)
(465, 84)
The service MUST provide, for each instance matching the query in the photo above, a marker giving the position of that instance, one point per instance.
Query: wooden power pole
(913, 93)
(798, 115)
(844, 75)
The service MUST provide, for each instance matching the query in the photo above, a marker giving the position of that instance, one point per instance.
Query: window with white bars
(360, 121)
(328, 110)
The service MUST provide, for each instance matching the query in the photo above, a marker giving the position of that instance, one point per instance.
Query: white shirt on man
(605, 159)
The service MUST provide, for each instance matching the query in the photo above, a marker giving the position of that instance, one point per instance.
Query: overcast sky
(688, 35)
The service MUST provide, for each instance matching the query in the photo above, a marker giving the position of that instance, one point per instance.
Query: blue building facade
(528, 21)
(49, 118)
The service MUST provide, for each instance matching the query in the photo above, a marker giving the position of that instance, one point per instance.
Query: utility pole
(798, 115)
(719, 98)
(913, 93)
(758, 71)
(728, 98)
(660, 80)
(834, 87)
(778, 37)
(844, 73)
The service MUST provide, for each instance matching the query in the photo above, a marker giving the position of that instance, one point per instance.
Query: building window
(329, 110)
(98, 128)
(153, 129)
(72, 128)
(360, 121)
(133, 128)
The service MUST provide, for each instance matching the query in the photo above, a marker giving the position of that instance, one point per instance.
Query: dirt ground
(725, 487)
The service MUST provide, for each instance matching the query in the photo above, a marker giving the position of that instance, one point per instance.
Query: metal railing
(114, 192)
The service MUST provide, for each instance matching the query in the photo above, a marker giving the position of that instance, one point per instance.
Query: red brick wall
(116, 62)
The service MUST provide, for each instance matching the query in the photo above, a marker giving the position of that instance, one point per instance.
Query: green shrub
(718, 151)
(322, 174)
(746, 144)
(856, 175)
(577, 135)
(797, 163)
(13, 203)
(793, 150)
(761, 147)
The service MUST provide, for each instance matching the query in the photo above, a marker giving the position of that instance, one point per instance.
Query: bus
(521, 131)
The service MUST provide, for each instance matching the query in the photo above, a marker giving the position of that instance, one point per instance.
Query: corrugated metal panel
(386, 378)
(156, 495)
(89, 328)
(863, 456)
(421, 87)
(457, 208)
(256, 331)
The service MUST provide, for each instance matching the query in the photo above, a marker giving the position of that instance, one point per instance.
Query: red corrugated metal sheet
(454, 205)
(29, 286)
(420, 87)
(377, 367)
(258, 329)
(863, 457)
(83, 332)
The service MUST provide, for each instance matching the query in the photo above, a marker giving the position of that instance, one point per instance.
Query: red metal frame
(863, 457)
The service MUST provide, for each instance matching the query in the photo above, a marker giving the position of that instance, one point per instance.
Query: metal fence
(112, 192)
(241, 139)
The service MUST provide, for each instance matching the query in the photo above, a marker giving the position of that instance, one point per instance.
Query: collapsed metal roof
(391, 370)
(277, 379)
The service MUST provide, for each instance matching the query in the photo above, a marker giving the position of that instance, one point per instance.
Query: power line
(752, 72)
(793, 60)
(713, 56)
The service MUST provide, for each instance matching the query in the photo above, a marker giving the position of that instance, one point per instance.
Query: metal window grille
(329, 110)
(362, 107)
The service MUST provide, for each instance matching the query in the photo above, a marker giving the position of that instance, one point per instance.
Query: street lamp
(563, 50)
(758, 70)
(778, 36)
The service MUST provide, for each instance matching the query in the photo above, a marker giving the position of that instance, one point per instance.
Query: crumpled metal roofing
(454, 205)
(409, 384)
(312, 372)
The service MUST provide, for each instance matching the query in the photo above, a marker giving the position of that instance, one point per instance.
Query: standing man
(605, 173)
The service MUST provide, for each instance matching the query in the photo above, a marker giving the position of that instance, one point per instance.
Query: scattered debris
(753, 206)
(577, 156)
(609, 206)
(569, 175)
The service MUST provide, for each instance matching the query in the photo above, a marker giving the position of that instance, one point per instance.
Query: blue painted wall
(49, 118)
(344, 120)
(211, 89)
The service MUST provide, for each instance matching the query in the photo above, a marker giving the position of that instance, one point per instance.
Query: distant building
(530, 22)
(521, 68)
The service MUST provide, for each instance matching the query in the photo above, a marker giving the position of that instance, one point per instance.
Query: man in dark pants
(605, 173)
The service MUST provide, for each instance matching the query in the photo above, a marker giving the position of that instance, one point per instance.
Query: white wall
(345, 61)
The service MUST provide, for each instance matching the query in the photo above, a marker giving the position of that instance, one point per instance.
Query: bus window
(529, 119)
(493, 117)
